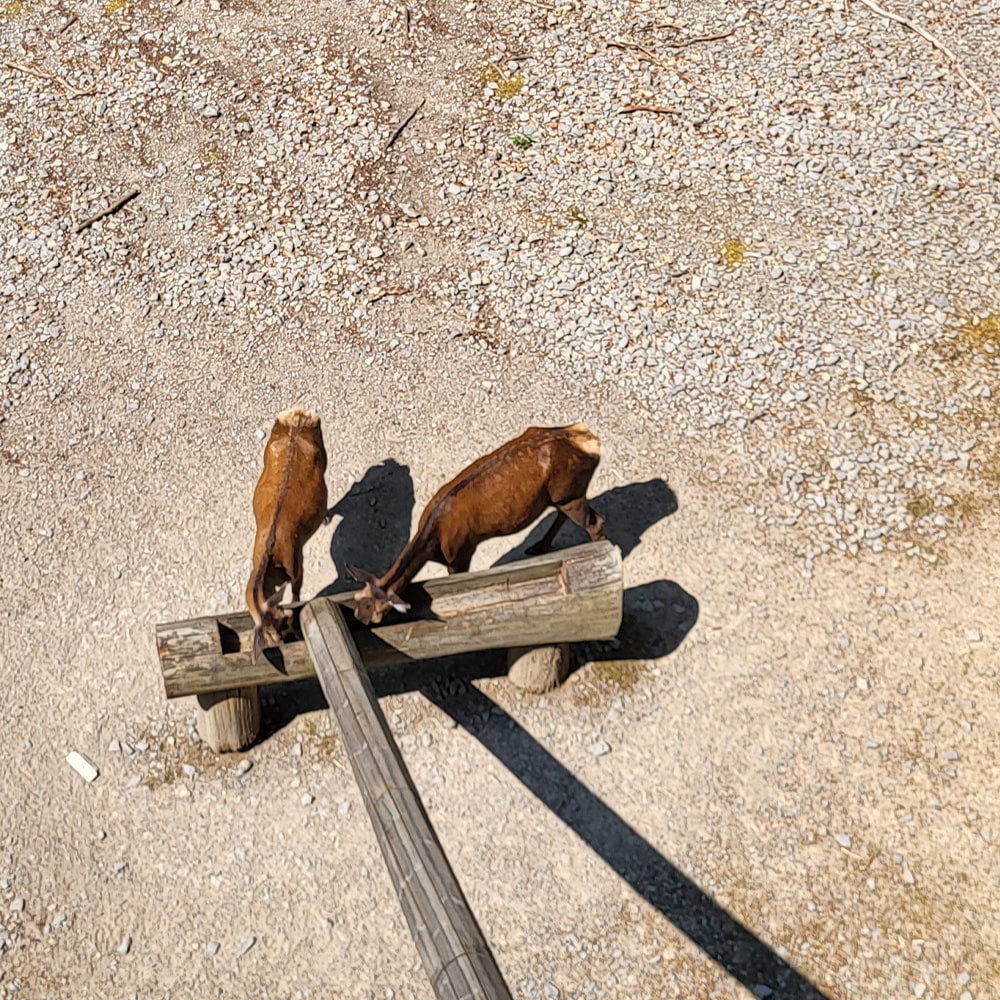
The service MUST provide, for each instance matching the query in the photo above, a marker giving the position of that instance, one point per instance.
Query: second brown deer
(498, 494)
(289, 504)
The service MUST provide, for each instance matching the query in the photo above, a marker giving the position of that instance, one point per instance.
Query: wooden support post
(229, 720)
(451, 945)
(538, 669)
(573, 595)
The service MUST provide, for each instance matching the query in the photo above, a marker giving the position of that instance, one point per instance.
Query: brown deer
(498, 494)
(289, 504)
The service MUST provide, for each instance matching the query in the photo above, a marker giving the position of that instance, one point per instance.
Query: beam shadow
(707, 924)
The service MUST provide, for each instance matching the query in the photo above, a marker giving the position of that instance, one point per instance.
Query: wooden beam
(573, 595)
(452, 947)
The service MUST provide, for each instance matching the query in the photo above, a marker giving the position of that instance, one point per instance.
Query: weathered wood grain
(450, 943)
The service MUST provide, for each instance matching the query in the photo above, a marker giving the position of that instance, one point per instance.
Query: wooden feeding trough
(533, 608)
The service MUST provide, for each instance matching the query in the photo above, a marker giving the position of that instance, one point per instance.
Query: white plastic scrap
(81, 765)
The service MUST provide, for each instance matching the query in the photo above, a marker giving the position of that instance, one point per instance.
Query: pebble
(212, 947)
(599, 748)
(245, 945)
(844, 839)
(307, 799)
(17, 906)
(973, 635)
(125, 945)
(242, 767)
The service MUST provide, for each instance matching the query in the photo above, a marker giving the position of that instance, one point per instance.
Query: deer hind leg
(580, 512)
(296, 577)
(546, 541)
(459, 563)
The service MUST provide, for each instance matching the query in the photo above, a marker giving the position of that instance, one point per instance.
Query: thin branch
(43, 74)
(644, 53)
(940, 46)
(628, 46)
(700, 38)
(110, 210)
(406, 121)
(378, 296)
(656, 109)
(68, 23)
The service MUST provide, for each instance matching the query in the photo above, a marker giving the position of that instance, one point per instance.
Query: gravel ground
(778, 292)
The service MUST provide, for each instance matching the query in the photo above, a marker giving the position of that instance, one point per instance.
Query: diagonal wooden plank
(449, 940)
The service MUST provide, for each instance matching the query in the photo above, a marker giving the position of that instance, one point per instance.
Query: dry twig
(629, 46)
(43, 74)
(406, 121)
(700, 38)
(940, 46)
(656, 109)
(644, 53)
(378, 296)
(110, 210)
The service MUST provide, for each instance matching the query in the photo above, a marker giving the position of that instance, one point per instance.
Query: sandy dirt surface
(780, 781)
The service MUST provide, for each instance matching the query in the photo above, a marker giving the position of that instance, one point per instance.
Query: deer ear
(361, 575)
(400, 605)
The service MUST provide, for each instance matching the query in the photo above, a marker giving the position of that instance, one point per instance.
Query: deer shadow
(375, 523)
(629, 512)
(376, 512)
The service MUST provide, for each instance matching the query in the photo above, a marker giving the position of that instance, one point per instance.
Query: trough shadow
(629, 512)
(375, 523)
(656, 618)
(693, 912)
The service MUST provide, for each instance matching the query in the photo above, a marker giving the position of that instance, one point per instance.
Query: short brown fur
(498, 494)
(289, 504)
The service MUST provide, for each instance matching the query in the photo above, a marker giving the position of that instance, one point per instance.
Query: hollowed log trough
(533, 608)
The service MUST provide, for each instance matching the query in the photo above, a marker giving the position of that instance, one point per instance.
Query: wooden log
(229, 720)
(573, 595)
(450, 942)
(538, 669)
